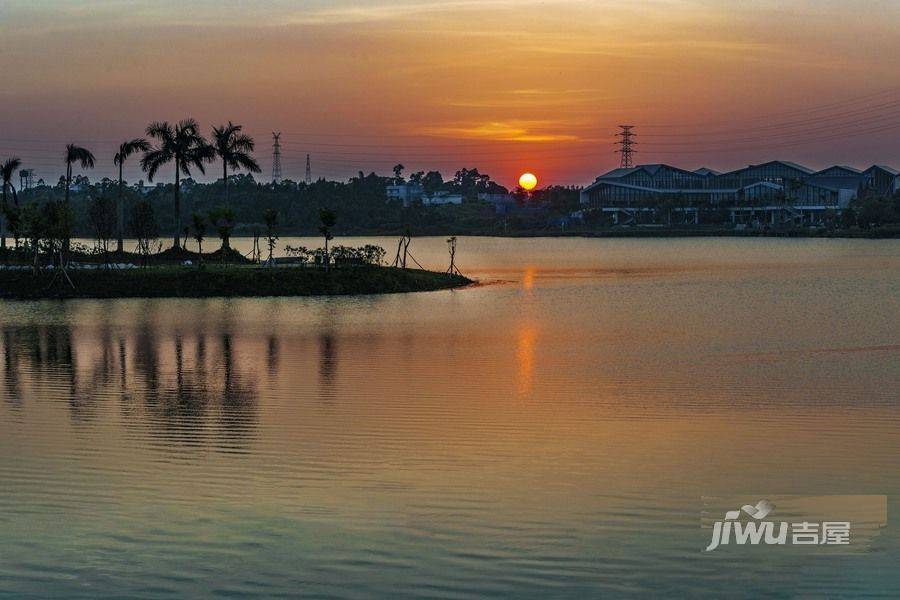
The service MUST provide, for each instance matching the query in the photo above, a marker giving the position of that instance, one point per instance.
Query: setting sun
(528, 181)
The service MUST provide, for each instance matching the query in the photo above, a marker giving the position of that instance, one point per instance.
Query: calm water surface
(547, 433)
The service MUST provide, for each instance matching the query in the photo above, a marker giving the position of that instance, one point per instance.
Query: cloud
(533, 131)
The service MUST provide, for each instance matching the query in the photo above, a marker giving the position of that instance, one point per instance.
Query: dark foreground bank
(191, 282)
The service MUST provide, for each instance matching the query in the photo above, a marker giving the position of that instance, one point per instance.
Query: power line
(859, 112)
(806, 110)
(786, 129)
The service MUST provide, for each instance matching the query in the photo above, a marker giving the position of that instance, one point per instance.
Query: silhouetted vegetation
(238, 204)
(144, 228)
(181, 281)
(182, 145)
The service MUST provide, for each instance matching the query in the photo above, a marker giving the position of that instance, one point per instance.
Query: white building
(405, 192)
(442, 198)
(494, 198)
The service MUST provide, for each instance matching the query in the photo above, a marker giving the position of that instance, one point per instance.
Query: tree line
(75, 206)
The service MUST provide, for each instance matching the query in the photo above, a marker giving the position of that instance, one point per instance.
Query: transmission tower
(626, 142)
(308, 171)
(276, 157)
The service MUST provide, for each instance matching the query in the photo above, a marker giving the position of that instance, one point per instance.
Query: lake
(548, 432)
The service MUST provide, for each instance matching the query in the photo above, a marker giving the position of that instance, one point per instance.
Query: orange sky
(503, 85)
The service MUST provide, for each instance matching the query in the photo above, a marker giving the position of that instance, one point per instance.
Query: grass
(216, 280)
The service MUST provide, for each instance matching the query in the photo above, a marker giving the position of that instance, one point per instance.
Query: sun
(528, 181)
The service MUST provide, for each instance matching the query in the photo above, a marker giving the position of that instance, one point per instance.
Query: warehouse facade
(776, 192)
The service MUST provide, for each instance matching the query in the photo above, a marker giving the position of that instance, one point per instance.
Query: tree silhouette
(7, 170)
(144, 227)
(33, 228)
(182, 144)
(233, 148)
(199, 224)
(328, 219)
(76, 154)
(223, 219)
(126, 149)
(271, 218)
(82, 156)
(102, 214)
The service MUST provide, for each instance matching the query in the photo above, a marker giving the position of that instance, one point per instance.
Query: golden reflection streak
(528, 279)
(525, 345)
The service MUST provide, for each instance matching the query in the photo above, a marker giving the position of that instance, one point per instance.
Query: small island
(48, 264)
(189, 281)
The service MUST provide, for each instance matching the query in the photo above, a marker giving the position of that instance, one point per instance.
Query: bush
(301, 252)
(874, 212)
(364, 255)
(144, 227)
(373, 255)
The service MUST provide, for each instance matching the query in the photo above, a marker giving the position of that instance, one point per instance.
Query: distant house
(494, 197)
(146, 189)
(407, 193)
(442, 198)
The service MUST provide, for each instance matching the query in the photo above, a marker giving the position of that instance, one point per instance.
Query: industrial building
(771, 193)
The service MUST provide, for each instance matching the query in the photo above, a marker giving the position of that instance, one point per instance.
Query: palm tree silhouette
(76, 154)
(234, 148)
(183, 144)
(7, 169)
(82, 156)
(126, 149)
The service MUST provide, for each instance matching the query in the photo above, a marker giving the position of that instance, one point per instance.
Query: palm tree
(126, 149)
(183, 145)
(82, 156)
(76, 154)
(234, 148)
(7, 169)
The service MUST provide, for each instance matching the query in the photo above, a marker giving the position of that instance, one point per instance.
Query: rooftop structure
(777, 188)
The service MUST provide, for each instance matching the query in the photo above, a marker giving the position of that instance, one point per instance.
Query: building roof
(765, 184)
(849, 170)
(786, 163)
(799, 167)
(707, 171)
(642, 188)
(834, 182)
(884, 168)
(620, 172)
(650, 169)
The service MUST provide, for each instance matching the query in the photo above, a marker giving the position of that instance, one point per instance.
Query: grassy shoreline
(221, 281)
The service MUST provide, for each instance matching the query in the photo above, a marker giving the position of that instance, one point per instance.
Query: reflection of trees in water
(165, 391)
(146, 357)
(327, 364)
(238, 416)
(11, 383)
(47, 352)
(272, 355)
(194, 405)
